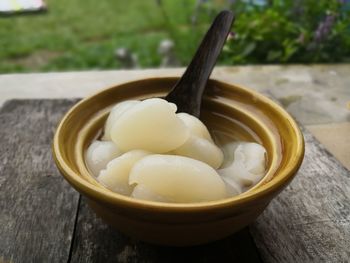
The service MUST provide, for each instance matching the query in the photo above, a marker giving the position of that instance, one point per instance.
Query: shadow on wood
(95, 241)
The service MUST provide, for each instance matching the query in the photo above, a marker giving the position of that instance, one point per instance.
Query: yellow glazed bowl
(229, 110)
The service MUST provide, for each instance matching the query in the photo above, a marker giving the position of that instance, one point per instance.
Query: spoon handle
(187, 92)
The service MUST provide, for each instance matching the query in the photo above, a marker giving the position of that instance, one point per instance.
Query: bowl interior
(230, 112)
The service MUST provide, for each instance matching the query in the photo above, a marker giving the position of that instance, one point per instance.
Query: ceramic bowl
(227, 109)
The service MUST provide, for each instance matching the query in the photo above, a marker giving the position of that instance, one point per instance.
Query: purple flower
(324, 28)
(322, 31)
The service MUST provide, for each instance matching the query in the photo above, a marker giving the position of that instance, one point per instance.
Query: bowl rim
(104, 195)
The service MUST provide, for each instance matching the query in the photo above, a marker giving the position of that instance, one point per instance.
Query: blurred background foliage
(84, 34)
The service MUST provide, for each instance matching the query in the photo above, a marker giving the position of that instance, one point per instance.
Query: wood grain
(310, 220)
(38, 207)
(97, 242)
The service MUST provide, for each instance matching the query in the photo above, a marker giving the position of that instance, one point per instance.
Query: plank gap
(74, 231)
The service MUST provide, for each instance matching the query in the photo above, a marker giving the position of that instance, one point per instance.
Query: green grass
(83, 34)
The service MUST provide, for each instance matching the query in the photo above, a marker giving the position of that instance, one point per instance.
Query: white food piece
(99, 153)
(201, 150)
(177, 179)
(151, 125)
(144, 193)
(183, 170)
(200, 145)
(173, 106)
(233, 188)
(252, 155)
(247, 168)
(196, 127)
(115, 113)
(228, 150)
(116, 175)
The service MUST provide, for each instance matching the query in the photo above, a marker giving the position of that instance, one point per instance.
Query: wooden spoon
(188, 91)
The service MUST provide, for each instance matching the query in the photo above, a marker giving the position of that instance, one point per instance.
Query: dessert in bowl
(231, 113)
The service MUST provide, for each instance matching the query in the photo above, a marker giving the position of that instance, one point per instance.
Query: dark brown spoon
(187, 92)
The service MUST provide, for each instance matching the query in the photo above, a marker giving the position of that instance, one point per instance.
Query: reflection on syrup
(245, 124)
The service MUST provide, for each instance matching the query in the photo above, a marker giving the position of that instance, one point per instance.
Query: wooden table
(43, 219)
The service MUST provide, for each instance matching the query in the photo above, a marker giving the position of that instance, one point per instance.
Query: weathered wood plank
(95, 241)
(310, 220)
(38, 208)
